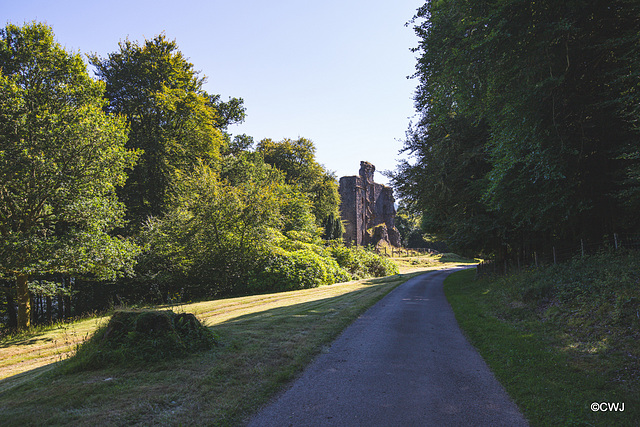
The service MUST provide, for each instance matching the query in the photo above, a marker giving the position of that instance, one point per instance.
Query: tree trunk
(49, 310)
(11, 311)
(60, 307)
(67, 307)
(24, 302)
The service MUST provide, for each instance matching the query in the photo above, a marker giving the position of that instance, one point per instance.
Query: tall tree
(61, 159)
(296, 158)
(550, 89)
(170, 117)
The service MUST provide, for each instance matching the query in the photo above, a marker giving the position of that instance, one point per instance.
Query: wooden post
(535, 256)
(582, 247)
(554, 255)
(615, 240)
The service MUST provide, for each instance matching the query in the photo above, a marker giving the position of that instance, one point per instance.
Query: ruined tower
(367, 209)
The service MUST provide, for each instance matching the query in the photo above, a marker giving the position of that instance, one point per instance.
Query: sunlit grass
(266, 340)
(27, 351)
(416, 261)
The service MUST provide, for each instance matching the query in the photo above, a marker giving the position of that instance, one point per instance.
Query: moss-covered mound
(135, 337)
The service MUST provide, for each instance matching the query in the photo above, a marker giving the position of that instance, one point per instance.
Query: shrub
(361, 263)
(133, 337)
(299, 269)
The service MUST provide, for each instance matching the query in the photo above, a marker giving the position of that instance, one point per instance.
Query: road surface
(404, 362)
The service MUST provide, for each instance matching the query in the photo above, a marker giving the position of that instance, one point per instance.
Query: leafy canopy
(527, 125)
(170, 117)
(296, 158)
(61, 160)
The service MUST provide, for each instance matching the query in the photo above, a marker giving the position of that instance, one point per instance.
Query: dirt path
(404, 362)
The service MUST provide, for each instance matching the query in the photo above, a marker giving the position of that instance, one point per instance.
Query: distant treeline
(527, 131)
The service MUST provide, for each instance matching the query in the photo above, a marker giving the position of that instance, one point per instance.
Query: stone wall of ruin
(367, 209)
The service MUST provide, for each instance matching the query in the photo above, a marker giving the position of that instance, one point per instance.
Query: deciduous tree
(527, 120)
(296, 158)
(170, 117)
(61, 159)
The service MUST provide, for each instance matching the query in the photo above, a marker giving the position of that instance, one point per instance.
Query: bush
(300, 269)
(361, 263)
(134, 337)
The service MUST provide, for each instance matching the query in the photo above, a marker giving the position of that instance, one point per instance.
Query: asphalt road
(404, 362)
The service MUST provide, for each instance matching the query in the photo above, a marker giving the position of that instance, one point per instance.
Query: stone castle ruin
(367, 209)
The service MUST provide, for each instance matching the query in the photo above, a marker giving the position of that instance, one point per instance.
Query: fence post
(582, 247)
(535, 256)
(615, 240)
(554, 255)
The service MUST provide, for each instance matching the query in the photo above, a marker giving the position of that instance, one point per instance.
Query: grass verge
(532, 348)
(266, 341)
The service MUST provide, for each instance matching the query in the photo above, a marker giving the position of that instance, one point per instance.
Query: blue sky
(333, 71)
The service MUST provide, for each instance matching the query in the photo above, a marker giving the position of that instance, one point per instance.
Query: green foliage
(362, 263)
(244, 230)
(170, 117)
(299, 269)
(605, 279)
(61, 159)
(527, 121)
(333, 227)
(296, 264)
(134, 338)
(296, 158)
(216, 230)
(228, 113)
(406, 221)
(409, 224)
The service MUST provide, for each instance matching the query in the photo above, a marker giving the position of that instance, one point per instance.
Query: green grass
(415, 261)
(538, 349)
(266, 341)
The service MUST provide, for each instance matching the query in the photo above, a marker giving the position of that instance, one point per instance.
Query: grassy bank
(266, 341)
(559, 338)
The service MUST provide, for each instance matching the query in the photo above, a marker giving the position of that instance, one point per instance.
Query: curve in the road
(404, 362)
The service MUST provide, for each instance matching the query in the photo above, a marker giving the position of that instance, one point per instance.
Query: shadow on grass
(330, 304)
(24, 377)
(281, 322)
(33, 339)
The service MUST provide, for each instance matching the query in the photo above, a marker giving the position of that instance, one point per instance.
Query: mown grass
(415, 261)
(558, 339)
(266, 341)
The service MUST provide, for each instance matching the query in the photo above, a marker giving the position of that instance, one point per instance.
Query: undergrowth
(560, 337)
(594, 301)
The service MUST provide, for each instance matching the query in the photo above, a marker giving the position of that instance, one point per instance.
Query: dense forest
(128, 188)
(527, 132)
